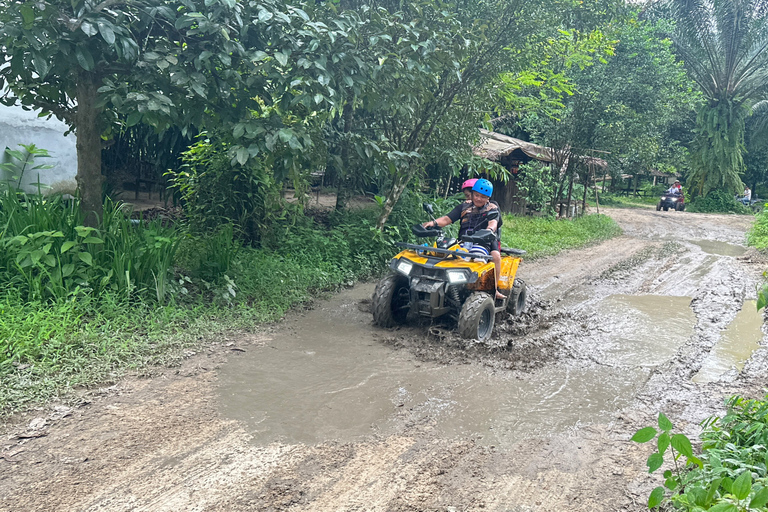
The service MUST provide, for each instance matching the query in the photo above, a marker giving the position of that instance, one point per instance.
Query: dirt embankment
(325, 412)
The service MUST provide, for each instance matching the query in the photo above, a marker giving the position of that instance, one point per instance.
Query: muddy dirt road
(324, 412)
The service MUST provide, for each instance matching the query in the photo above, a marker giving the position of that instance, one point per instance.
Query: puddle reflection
(720, 248)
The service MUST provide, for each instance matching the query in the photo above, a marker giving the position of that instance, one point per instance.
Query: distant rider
(476, 214)
(675, 189)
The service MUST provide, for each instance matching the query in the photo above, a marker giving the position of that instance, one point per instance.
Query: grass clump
(546, 236)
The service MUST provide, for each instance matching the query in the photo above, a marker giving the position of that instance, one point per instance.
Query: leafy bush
(48, 254)
(729, 476)
(216, 191)
(718, 201)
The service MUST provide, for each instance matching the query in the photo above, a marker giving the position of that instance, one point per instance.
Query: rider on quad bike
(479, 213)
(451, 277)
(672, 198)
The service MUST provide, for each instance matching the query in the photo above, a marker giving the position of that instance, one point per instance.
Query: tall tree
(240, 68)
(724, 45)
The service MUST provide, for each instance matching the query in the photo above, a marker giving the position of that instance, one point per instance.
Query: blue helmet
(484, 187)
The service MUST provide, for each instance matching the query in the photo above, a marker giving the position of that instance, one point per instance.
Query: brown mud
(325, 412)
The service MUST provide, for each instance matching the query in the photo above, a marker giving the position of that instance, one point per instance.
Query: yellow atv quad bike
(449, 278)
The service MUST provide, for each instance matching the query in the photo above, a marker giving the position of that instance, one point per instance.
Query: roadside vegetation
(729, 475)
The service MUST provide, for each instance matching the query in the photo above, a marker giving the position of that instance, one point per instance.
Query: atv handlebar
(422, 232)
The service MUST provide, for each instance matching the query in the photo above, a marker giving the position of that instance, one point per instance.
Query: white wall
(18, 126)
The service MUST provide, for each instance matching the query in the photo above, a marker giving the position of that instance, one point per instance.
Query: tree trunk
(89, 178)
(398, 187)
(344, 190)
(584, 199)
(570, 193)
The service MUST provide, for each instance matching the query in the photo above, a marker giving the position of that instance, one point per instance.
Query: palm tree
(724, 46)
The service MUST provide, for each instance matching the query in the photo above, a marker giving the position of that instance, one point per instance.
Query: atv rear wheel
(391, 301)
(517, 298)
(477, 317)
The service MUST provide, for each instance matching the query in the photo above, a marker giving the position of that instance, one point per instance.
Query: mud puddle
(720, 248)
(645, 330)
(326, 376)
(737, 343)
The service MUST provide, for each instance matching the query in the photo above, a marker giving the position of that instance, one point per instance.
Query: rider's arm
(441, 222)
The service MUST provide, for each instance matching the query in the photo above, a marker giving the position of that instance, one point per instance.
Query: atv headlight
(674, 199)
(456, 276)
(404, 267)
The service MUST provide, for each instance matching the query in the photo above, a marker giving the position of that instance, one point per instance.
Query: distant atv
(674, 201)
(450, 277)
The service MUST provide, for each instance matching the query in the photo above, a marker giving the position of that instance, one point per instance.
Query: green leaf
(760, 499)
(67, 246)
(84, 58)
(724, 507)
(713, 487)
(93, 240)
(105, 29)
(664, 423)
(67, 269)
(655, 460)
(682, 444)
(663, 442)
(242, 155)
(88, 28)
(742, 485)
(49, 260)
(654, 500)
(40, 64)
(28, 16)
(85, 257)
(281, 58)
(133, 118)
(644, 435)
(36, 255)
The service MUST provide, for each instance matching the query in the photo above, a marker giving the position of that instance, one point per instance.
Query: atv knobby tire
(517, 298)
(658, 206)
(391, 301)
(477, 317)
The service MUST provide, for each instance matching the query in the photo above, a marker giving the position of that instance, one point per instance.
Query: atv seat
(513, 252)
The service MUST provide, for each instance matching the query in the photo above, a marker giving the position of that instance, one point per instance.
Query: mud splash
(737, 343)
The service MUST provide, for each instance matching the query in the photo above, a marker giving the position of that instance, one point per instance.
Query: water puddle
(737, 342)
(720, 248)
(326, 375)
(645, 330)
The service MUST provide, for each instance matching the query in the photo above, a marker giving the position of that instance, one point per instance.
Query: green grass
(543, 236)
(617, 201)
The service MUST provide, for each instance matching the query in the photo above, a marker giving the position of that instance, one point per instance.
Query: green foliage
(537, 183)
(216, 192)
(47, 254)
(15, 163)
(718, 201)
(730, 475)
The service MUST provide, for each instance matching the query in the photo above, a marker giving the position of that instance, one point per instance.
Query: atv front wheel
(391, 301)
(658, 206)
(477, 317)
(516, 302)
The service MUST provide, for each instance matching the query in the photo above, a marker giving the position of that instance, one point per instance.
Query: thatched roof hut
(495, 146)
